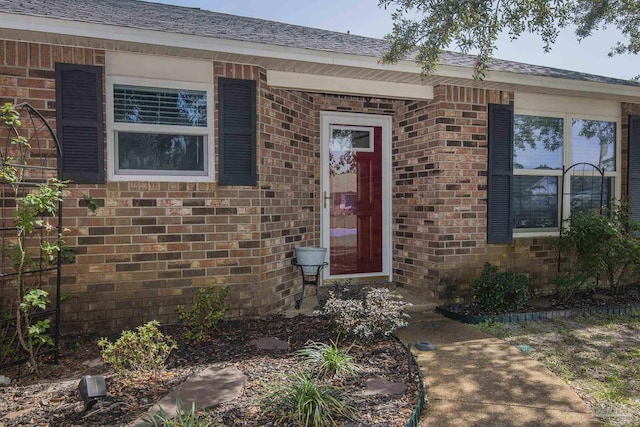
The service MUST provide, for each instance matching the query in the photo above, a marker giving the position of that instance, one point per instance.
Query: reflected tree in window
(342, 156)
(594, 142)
(538, 142)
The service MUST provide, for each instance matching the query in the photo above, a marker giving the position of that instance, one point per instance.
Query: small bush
(380, 312)
(327, 359)
(570, 283)
(303, 401)
(604, 245)
(208, 309)
(505, 291)
(141, 352)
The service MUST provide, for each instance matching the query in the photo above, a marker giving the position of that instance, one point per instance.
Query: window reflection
(589, 192)
(161, 152)
(593, 141)
(535, 201)
(538, 142)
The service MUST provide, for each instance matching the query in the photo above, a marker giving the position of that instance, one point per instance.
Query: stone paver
(383, 387)
(207, 388)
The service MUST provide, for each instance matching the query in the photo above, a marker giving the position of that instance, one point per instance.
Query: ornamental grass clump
(184, 418)
(303, 400)
(378, 313)
(327, 360)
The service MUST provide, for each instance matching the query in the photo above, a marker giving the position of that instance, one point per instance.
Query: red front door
(355, 183)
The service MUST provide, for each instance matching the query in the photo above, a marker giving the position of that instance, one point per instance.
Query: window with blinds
(161, 131)
(173, 107)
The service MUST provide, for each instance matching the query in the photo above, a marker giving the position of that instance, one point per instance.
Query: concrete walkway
(474, 379)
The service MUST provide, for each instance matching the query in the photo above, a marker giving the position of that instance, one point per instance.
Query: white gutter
(113, 35)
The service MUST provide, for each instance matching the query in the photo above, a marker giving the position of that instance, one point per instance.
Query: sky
(365, 18)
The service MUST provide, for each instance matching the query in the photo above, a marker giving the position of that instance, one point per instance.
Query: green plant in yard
(504, 291)
(138, 352)
(184, 418)
(327, 359)
(304, 401)
(603, 245)
(209, 308)
(378, 312)
(34, 208)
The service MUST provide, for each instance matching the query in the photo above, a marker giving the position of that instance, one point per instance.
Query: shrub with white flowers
(379, 312)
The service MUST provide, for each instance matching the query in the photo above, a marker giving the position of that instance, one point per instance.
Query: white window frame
(567, 155)
(169, 176)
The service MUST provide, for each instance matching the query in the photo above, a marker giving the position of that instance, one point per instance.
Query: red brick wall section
(440, 206)
(150, 244)
(288, 186)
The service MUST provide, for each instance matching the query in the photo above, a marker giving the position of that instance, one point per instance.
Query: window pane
(586, 192)
(348, 139)
(149, 105)
(537, 142)
(535, 201)
(593, 141)
(160, 152)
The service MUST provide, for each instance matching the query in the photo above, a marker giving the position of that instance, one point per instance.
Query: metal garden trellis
(37, 161)
(588, 170)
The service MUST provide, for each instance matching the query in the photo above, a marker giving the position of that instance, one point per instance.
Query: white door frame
(328, 118)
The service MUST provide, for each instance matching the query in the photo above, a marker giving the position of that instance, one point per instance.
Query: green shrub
(183, 418)
(204, 314)
(570, 283)
(141, 352)
(505, 291)
(378, 312)
(603, 245)
(327, 359)
(303, 401)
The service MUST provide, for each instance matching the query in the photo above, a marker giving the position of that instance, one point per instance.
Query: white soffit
(565, 104)
(329, 84)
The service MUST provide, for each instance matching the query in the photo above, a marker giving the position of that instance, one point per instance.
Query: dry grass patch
(598, 356)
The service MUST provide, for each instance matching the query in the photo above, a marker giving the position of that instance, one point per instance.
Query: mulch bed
(51, 399)
(584, 300)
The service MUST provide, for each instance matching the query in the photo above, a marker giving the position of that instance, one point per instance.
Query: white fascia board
(563, 84)
(127, 35)
(328, 84)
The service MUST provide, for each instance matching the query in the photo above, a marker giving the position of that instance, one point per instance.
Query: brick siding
(151, 244)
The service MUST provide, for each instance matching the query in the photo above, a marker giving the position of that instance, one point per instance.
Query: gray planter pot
(310, 257)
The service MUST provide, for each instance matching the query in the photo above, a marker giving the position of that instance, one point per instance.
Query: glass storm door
(353, 199)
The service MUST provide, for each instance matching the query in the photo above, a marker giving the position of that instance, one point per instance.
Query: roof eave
(285, 58)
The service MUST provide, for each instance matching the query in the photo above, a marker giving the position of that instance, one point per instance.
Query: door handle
(326, 197)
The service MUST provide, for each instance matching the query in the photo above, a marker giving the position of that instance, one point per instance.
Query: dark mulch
(593, 298)
(51, 399)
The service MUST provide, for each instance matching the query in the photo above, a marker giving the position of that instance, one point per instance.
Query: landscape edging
(535, 315)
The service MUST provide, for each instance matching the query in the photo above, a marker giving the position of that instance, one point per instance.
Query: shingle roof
(195, 21)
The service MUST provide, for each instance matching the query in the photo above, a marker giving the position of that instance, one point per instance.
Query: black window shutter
(500, 174)
(79, 122)
(237, 131)
(634, 167)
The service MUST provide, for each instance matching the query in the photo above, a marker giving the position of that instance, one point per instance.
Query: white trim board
(329, 84)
